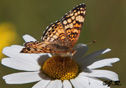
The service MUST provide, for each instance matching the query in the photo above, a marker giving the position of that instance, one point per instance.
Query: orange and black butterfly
(61, 36)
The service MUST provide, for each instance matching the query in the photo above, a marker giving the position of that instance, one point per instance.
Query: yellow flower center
(63, 68)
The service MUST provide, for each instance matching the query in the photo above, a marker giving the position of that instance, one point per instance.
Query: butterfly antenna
(91, 42)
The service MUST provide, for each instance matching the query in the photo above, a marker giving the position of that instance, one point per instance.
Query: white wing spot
(69, 20)
(71, 25)
(82, 11)
(73, 17)
(75, 14)
(64, 22)
(80, 18)
(78, 12)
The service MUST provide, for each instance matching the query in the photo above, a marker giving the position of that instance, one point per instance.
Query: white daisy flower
(58, 72)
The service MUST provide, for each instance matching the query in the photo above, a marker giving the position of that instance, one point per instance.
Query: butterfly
(61, 36)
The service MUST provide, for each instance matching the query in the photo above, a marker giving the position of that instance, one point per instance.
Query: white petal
(102, 63)
(20, 64)
(66, 84)
(59, 84)
(41, 84)
(55, 84)
(82, 82)
(18, 47)
(91, 56)
(87, 82)
(81, 50)
(102, 74)
(107, 50)
(95, 83)
(76, 84)
(22, 77)
(14, 52)
(9, 51)
(28, 38)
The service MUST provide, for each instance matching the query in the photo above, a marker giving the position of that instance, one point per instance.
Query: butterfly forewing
(72, 23)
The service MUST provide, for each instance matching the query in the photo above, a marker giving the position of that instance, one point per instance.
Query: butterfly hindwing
(44, 47)
(35, 47)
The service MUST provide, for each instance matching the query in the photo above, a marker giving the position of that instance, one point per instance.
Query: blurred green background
(105, 22)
